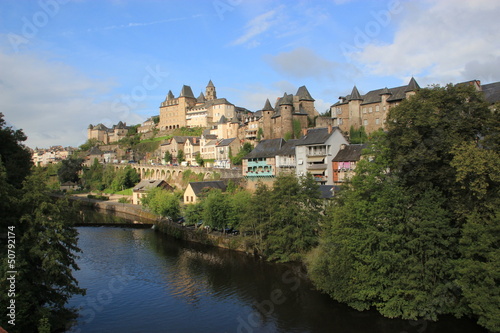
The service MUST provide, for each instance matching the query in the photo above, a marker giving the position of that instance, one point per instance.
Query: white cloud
(258, 26)
(438, 42)
(53, 103)
(304, 63)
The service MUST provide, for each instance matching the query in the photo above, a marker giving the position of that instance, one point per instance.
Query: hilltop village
(287, 136)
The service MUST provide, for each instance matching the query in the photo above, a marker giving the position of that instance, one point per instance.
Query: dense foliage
(163, 202)
(281, 223)
(41, 234)
(100, 177)
(245, 150)
(69, 169)
(417, 232)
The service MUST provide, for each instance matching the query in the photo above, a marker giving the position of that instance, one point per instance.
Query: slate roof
(100, 127)
(327, 191)
(95, 151)
(354, 95)
(304, 94)
(210, 84)
(201, 98)
(491, 92)
(146, 185)
(374, 96)
(315, 136)
(288, 148)
(182, 139)
(266, 148)
(186, 92)
(199, 186)
(209, 136)
(169, 95)
(349, 153)
(267, 106)
(225, 142)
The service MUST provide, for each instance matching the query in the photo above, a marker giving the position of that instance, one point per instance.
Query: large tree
(43, 239)
(416, 234)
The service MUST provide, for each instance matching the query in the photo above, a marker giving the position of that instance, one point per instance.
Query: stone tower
(286, 110)
(210, 93)
(267, 113)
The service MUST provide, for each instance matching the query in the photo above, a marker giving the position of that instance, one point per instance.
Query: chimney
(330, 129)
(304, 131)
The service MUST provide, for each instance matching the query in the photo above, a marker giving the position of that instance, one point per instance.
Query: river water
(139, 280)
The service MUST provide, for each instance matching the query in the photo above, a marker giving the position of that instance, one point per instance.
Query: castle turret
(412, 87)
(267, 113)
(286, 110)
(355, 101)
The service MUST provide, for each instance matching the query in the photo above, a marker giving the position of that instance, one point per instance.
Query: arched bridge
(166, 172)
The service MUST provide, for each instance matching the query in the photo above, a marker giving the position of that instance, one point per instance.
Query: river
(139, 280)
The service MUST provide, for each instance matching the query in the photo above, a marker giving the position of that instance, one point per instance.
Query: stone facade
(369, 110)
(107, 135)
(189, 111)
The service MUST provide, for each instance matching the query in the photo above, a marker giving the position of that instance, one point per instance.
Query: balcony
(317, 152)
(257, 164)
(266, 173)
(318, 166)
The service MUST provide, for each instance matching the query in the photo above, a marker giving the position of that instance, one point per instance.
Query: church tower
(210, 93)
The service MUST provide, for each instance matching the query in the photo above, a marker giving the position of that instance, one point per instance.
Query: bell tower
(210, 93)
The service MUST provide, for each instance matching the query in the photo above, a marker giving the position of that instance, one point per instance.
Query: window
(365, 122)
(377, 108)
(364, 110)
(370, 109)
(377, 121)
(340, 121)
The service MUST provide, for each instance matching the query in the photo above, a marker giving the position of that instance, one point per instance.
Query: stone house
(107, 135)
(144, 186)
(344, 163)
(189, 111)
(194, 189)
(223, 150)
(191, 149)
(369, 110)
(285, 157)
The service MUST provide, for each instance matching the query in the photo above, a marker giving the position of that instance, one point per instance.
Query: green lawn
(127, 191)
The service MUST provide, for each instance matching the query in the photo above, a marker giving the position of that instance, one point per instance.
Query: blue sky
(65, 64)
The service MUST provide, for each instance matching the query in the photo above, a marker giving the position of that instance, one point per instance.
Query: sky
(65, 64)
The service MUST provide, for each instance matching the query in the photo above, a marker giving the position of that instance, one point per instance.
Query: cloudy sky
(65, 64)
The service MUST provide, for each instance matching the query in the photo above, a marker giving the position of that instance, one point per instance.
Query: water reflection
(186, 287)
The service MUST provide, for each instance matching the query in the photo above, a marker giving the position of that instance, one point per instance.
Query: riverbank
(166, 226)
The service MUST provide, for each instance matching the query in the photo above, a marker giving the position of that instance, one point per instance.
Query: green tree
(199, 160)
(357, 135)
(89, 144)
(15, 156)
(193, 213)
(245, 150)
(180, 156)
(162, 202)
(69, 170)
(168, 157)
(216, 209)
(293, 226)
(416, 233)
(45, 243)
(388, 247)
(125, 178)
